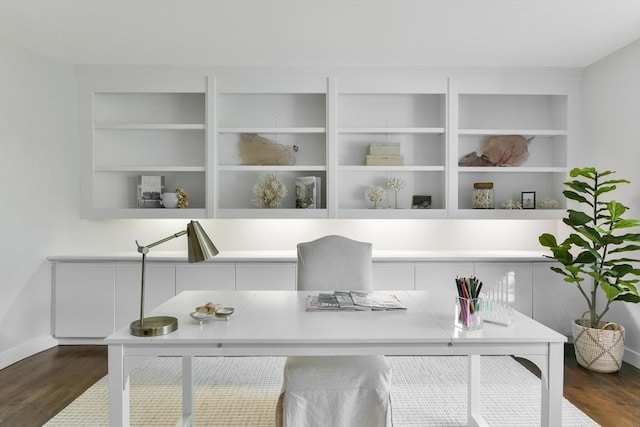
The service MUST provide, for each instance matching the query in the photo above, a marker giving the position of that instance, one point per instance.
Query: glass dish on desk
(220, 314)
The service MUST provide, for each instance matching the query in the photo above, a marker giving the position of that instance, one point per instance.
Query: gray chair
(349, 391)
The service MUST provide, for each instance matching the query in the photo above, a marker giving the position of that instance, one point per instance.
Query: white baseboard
(26, 349)
(631, 357)
(81, 341)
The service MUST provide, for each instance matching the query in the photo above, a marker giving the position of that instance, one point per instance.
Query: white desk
(275, 323)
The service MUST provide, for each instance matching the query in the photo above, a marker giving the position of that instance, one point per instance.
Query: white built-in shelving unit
(410, 111)
(538, 108)
(186, 125)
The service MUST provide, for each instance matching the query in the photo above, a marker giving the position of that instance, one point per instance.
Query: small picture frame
(421, 202)
(528, 200)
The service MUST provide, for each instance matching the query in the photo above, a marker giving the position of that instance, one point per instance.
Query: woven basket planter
(598, 349)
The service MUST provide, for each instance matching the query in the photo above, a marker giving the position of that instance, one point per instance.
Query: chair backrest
(334, 263)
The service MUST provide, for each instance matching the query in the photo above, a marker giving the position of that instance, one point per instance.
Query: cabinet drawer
(393, 276)
(84, 300)
(200, 277)
(281, 277)
(440, 276)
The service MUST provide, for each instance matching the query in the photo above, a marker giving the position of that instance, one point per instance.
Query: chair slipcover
(336, 391)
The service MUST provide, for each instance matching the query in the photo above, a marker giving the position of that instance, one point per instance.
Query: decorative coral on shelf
(269, 191)
(183, 198)
(375, 194)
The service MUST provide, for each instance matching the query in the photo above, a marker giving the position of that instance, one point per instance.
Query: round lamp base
(153, 326)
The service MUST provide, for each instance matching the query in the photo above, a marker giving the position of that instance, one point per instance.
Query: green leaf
(602, 190)
(578, 218)
(548, 240)
(621, 270)
(575, 239)
(627, 297)
(627, 223)
(627, 248)
(587, 172)
(585, 257)
(614, 181)
(610, 291)
(572, 195)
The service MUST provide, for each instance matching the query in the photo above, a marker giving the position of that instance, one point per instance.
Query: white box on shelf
(373, 160)
(384, 148)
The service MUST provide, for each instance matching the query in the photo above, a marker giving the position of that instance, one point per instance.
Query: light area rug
(242, 391)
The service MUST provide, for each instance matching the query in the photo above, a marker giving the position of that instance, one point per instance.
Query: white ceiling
(316, 33)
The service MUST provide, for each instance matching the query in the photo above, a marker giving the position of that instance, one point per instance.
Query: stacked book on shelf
(385, 154)
(353, 300)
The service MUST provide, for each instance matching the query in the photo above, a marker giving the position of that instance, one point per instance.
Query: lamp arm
(145, 249)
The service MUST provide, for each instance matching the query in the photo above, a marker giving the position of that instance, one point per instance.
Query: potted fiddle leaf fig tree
(592, 258)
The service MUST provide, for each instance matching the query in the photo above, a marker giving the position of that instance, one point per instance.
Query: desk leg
(552, 387)
(187, 390)
(473, 416)
(118, 388)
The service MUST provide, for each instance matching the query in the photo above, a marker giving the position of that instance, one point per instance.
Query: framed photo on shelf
(150, 189)
(308, 192)
(421, 202)
(528, 200)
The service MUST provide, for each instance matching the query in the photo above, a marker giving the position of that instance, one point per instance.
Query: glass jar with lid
(483, 195)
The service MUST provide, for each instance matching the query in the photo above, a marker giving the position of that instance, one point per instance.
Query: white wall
(611, 117)
(39, 178)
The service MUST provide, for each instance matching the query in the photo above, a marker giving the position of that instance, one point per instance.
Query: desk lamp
(200, 248)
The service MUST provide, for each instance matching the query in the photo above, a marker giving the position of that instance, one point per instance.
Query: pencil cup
(468, 313)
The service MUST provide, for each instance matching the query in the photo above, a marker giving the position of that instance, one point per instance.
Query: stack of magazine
(353, 300)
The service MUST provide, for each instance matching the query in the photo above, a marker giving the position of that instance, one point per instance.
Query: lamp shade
(200, 246)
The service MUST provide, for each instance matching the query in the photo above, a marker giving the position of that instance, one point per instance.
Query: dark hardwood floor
(35, 389)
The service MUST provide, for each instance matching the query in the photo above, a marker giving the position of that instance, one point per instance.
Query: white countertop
(290, 256)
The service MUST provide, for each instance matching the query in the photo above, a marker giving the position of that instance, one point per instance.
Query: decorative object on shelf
(507, 150)
(593, 252)
(200, 248)
(375, 195)
(308, 192)
(528, 200)
(384, 154)
(421, 202)
(183, 198)
(170, 200)
(483, 195)
(396, 184)
(511, 204)
(258, 150)
(501, 150)
(548, 204)
(150, 188)
(473, 159)
(269, 191)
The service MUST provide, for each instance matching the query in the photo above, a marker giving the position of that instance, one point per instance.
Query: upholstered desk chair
(336, 391)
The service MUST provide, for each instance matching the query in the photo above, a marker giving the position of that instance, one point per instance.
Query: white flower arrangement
(375, 194)
(269, 191)
(396, 184)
